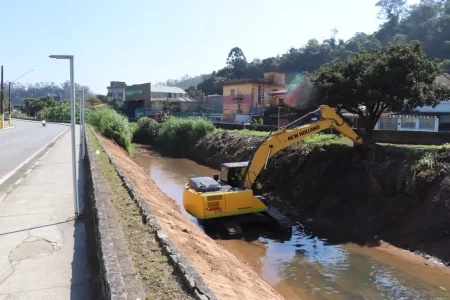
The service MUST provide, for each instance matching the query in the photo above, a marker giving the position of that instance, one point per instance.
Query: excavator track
(282, 221)
(232, 228)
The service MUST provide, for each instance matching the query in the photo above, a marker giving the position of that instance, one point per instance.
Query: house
(145, 99)
(213, 103)
(442, 110)
(137, 96)
(116, 90)
(249, 96)
(163, 97)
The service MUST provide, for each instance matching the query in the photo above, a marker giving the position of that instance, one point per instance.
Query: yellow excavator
(232, 199)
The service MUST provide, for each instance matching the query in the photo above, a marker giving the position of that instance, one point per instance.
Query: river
(306, 266)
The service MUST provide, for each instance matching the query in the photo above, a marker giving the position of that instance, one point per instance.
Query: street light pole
(72, 119)
(2, 116)
(10, 103)
(82, 152)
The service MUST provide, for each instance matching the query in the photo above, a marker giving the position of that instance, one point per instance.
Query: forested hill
(20, 92)
(427, 22)
(184, 82)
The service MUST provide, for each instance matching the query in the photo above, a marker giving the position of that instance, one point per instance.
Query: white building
(163, 94)
(116, 90)
(442, 110)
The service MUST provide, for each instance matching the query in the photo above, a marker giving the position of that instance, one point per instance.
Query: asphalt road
(19, 144)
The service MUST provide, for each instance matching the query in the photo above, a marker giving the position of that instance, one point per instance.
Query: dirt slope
(362, 203)
(227, 276)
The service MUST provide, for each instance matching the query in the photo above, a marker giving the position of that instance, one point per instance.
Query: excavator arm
(293, 133)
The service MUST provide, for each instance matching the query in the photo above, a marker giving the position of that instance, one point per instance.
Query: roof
(236, 164)
(173, 100)
(444, 79)
(408, 115)
(281, 92)
(167, 89)
(247, 80)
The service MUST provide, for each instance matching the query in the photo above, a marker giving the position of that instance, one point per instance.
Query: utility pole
(10, 103)
(2, 116)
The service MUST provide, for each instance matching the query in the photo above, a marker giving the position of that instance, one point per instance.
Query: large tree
(212, 85)
(237, 62)
(393, 78)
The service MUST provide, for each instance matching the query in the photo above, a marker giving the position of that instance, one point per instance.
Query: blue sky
(152, 40)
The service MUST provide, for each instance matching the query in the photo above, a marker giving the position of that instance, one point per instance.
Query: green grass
(317, 139)
(245, 132)
(145, 131)
(326, 139)
(112, 125)
(414, 150)
(177, 135)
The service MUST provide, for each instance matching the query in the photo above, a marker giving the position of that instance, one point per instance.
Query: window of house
(120, 94)
(232, 92)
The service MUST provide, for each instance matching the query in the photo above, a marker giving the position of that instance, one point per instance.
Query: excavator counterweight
(232, 199)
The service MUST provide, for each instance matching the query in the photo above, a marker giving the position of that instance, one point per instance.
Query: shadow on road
(36, 227)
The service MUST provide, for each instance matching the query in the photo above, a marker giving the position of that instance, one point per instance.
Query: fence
(408, 123)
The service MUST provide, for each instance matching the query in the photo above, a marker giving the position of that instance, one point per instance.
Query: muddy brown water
(306, 266)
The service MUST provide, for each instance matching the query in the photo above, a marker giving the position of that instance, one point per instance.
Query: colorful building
(250, 96)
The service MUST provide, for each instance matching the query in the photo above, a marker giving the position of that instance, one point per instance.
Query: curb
(112, 282)
(190, 277)
(14, 126)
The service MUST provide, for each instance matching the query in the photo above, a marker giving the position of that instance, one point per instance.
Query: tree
(33, 106)
(212, 85)
(193, 92)
(390, 9)
(368, 84)
(102, 98)
(93, 100)
(237, 62)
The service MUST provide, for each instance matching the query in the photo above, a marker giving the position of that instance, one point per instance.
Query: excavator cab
(232, 173)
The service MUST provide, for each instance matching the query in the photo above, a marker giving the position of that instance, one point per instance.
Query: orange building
(250, 96)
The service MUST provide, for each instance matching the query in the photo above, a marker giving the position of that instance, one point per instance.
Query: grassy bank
(150, 263)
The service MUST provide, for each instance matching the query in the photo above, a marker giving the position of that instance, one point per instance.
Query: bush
(178, 135)
(22, 116)
(146, 131)
(111, 125)
(59, 112)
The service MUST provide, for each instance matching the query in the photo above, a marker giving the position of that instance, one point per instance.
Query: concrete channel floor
(42, 247)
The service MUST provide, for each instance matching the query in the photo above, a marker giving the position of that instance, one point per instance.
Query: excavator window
(224, 174)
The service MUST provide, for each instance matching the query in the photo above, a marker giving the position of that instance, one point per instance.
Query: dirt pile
(397, 198)
(227, 276)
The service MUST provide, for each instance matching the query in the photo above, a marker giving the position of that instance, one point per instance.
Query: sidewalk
(7, 126)
(42, 249)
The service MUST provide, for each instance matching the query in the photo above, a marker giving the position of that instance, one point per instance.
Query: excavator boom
(293, 133)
